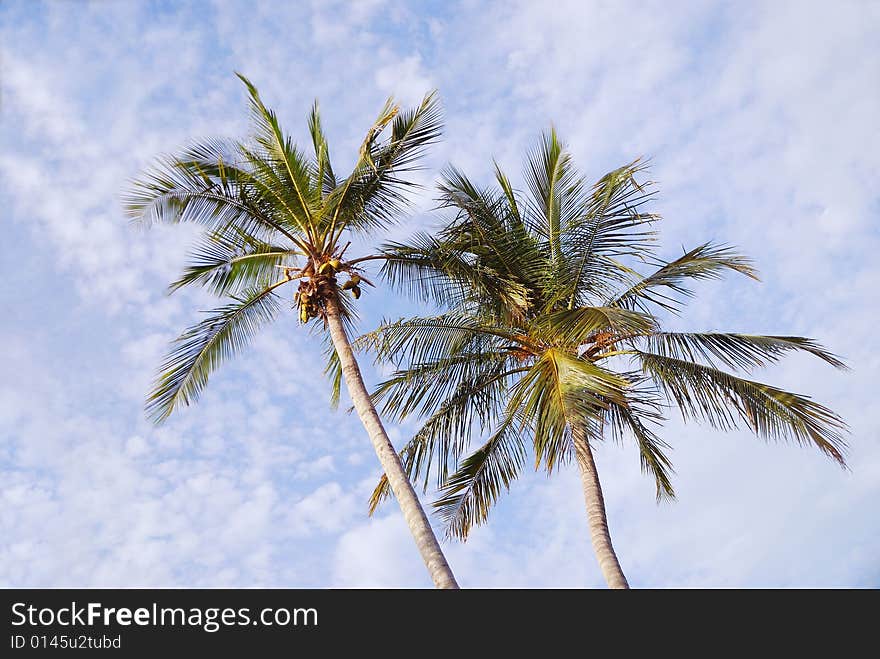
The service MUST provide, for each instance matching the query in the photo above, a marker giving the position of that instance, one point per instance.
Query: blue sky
(760, 119)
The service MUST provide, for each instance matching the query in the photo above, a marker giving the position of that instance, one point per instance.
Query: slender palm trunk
(596, 519)
(403, 490)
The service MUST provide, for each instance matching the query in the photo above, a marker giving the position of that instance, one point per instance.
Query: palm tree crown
(276, 215)
(273, 215)
(550, 331)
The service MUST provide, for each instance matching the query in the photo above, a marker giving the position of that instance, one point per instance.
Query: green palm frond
(205, 186)
(322, 175)
(556, 389)
(668, 284)
(386, 116)
(288, 165)
(610, 225)
(485, 214)
(424, 340)
(491, 238)
(440, 442)
(511, 197)
(423, 386)
(726, 401)
(471, 491)
(652, 450)
(556, 191)
(179, 190)
(232, 261)
(427, 269)
(742, 351)
(268, 181)
(333, 370)
(456, 377)
(376, 192)
(412, 132)
(203, 347)
(576, 326)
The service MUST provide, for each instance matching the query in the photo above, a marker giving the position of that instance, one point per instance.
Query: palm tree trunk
(403, 490)
(596, 519)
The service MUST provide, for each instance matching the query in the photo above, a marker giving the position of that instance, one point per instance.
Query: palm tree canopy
(273, 213)
(551, 303)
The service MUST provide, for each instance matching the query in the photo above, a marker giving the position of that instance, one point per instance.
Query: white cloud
(760, 123)
(378, 554)
(403, 78)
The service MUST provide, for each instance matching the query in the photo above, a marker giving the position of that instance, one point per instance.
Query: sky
(760, 120)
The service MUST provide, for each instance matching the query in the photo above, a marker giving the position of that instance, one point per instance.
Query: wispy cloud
(760, 121)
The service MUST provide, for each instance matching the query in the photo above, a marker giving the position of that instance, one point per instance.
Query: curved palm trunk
(596, 519)
(403, 490)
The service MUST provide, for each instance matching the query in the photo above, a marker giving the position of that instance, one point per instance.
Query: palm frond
(429, 339)
(576, 326)
(610, 224)
(376, 192)
(289, 166)
(232, 261)
(428, 269)
(742, 351)
(475, 402)
(422, 387)
(556, 189)
(203, 347)
(491, 237)
(725, 401)
(269, 179)
(509, 194)
(333, 369)
(205, 185)
(623, 419)
(708, 261)
(473, 489)
(412, 132)
(557, 389)
(323, 171)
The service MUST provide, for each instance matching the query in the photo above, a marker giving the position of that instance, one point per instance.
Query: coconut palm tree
(550, 334)
(275, 217)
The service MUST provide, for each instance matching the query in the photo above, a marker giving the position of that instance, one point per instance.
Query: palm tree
(549, 332)
(275, 216)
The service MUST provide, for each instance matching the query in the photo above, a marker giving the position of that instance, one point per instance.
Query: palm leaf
(575, 327)
(557, 389)
(289, 165)
(608, 224)
(743, 351)
(333, 370)
(204, 185)
(203, 347)
(708, 261)
(323, 171)
(422, 387)
(472, 490)
(726, 401)
(623, 419)
(423, 340)
(556, 189)
(232, 261)
(439, 443)
(375, 193)
(428, 269)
